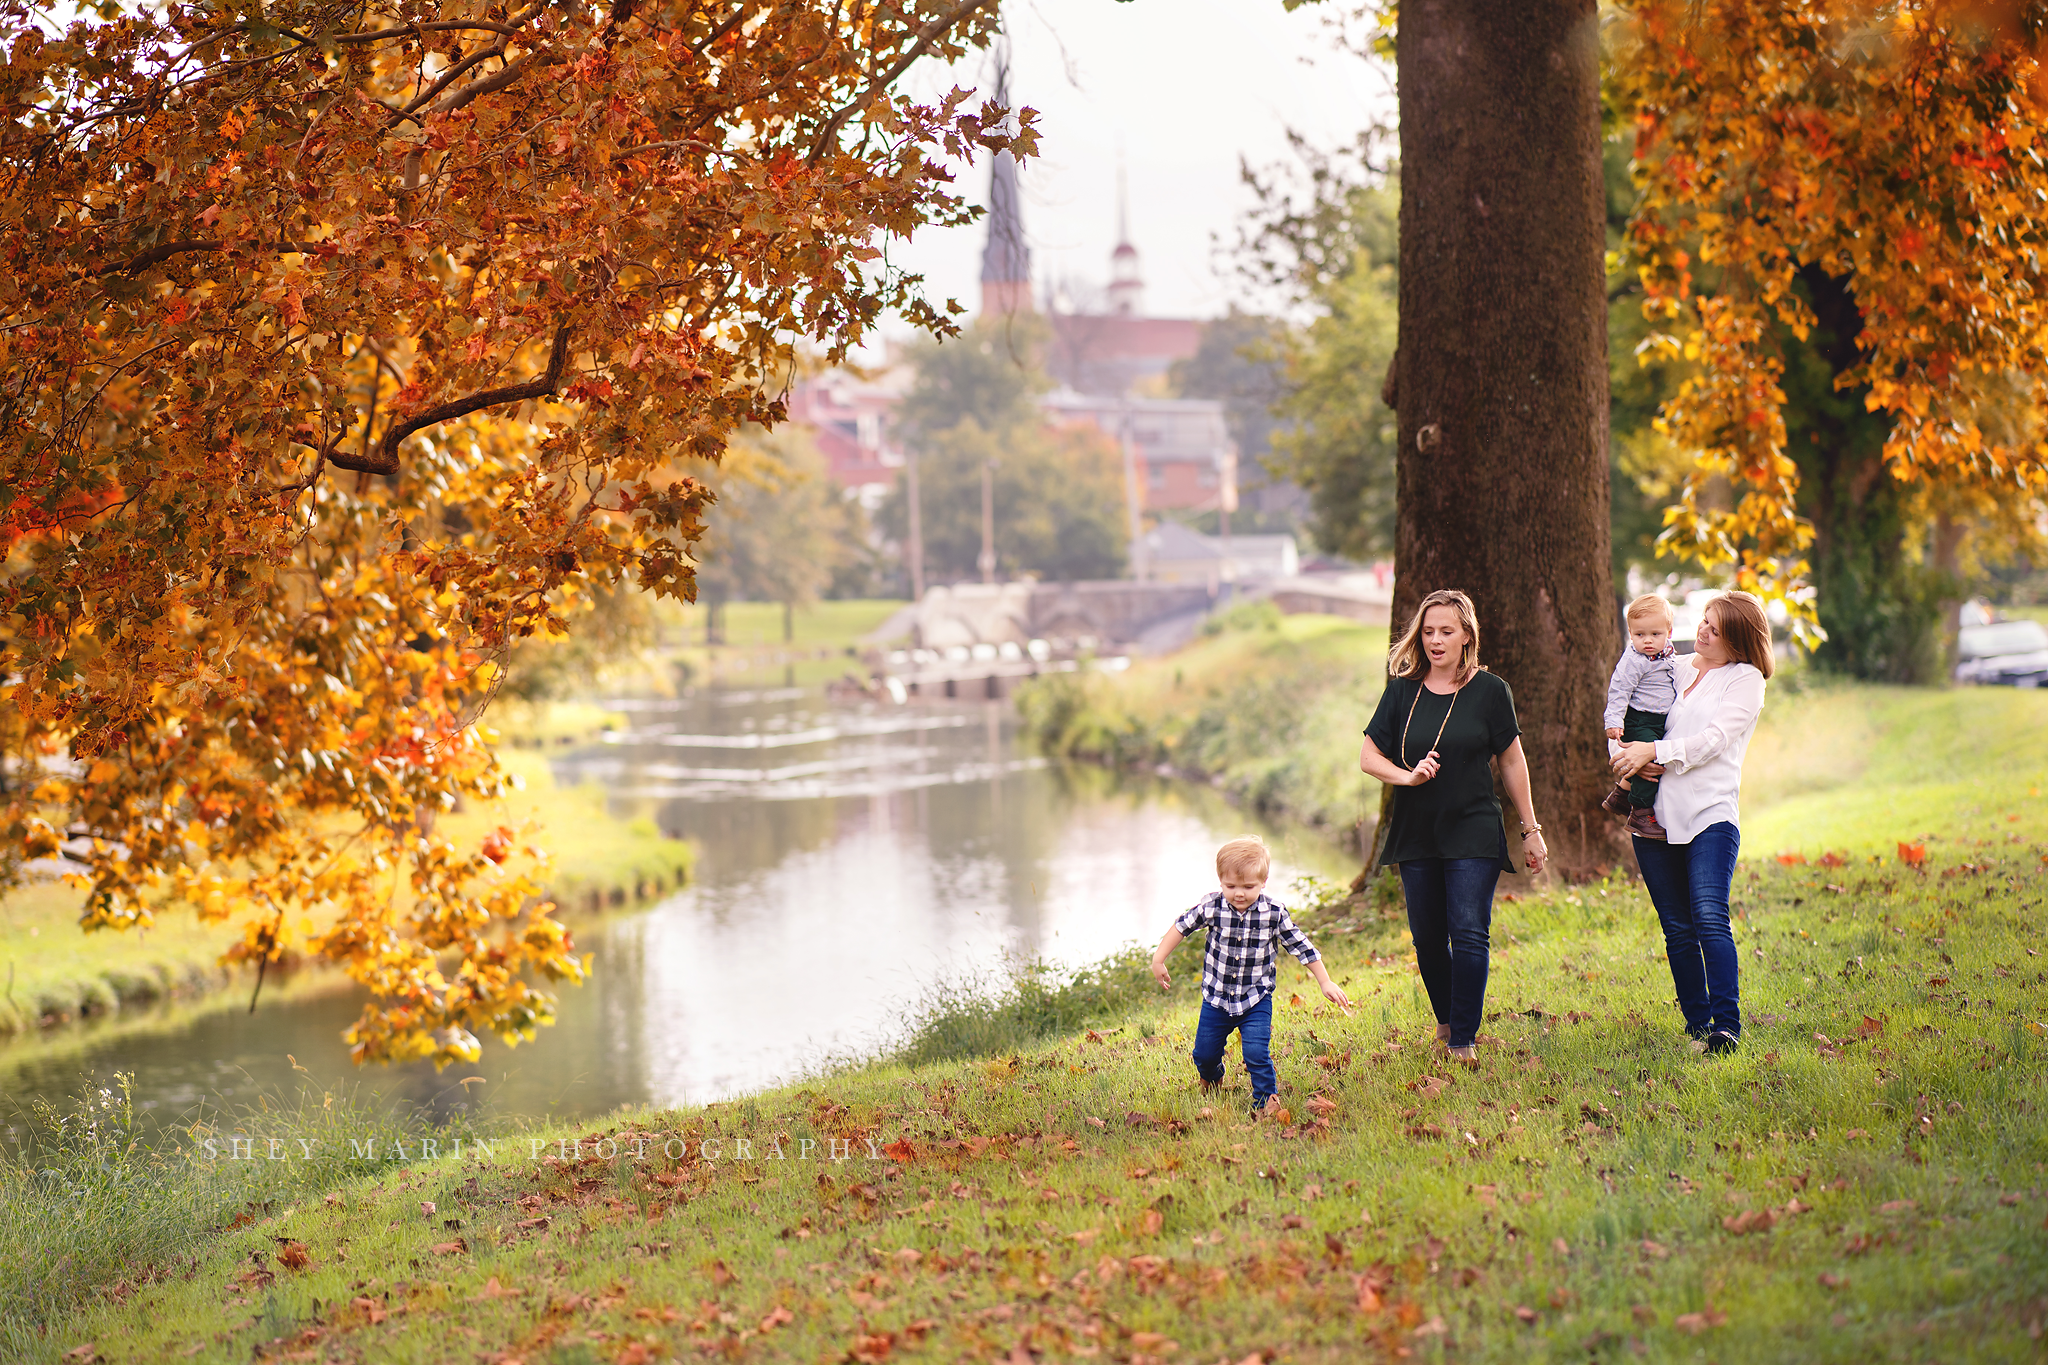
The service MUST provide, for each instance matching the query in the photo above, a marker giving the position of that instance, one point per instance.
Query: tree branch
(926, 36)
(163, 251)
(385, 461)
(505, 76)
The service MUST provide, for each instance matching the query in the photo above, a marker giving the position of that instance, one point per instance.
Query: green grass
(826, 644)
(1858, 768)
(1863, 1181)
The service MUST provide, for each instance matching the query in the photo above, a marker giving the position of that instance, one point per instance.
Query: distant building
(1176, 554)
(849, 418)
(1118, 349)
(1184, 456)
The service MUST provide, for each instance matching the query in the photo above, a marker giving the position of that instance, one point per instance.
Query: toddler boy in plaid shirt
(1238, 965)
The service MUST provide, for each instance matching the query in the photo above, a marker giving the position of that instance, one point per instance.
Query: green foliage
(785, 530)
(984, 1016)
(1328, 237)
(1058, 492)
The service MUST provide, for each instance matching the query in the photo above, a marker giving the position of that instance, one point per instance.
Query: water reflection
(851, 856)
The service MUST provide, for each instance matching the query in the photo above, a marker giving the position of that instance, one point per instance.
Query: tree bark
(1501, 375)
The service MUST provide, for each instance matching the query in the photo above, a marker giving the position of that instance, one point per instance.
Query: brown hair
(1739, 616)
(1650, 604)
(1246, 853)
(1406, 659)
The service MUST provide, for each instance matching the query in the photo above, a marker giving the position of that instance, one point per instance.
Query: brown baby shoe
(1616, 802)
(1642, 822)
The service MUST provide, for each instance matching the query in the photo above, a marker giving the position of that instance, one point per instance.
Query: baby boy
(1639, 695)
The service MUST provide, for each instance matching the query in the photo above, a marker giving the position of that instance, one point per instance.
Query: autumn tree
(344, 346)
(1840, 224)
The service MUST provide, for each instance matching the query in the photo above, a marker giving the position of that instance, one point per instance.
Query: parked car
(2008, 653)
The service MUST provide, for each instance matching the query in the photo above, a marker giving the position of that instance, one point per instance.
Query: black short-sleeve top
(1455, 814)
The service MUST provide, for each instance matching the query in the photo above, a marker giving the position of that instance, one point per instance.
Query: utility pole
(915, 549)
(988, 521)
(1133, 497)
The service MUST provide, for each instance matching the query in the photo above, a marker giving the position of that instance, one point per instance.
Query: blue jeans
(1255, 1033)
(1450, 910)
(1688, 883)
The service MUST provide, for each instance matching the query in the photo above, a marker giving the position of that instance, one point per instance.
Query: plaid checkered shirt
(1237, 964)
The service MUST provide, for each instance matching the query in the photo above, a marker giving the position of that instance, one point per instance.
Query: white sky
(1183, 88)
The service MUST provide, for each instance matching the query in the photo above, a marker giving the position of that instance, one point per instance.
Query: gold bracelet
(1528, 830)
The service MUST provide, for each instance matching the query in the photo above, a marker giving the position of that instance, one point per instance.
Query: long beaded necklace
(1419, 690)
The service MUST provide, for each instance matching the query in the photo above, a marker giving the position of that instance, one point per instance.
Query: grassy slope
(1268, 707)
(58, 972)
(1876, 1196)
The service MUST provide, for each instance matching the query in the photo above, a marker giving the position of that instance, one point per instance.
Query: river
(852, 855)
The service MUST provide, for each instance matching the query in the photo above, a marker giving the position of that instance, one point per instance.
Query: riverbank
(1265, 707)
(1269, 709)
(1863, 1180)
(56, 975)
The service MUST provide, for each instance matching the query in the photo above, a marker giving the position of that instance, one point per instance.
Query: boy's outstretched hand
(1159, 955)
(1332, 992)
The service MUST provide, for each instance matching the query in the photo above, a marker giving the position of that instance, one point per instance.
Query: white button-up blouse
(1706, 736)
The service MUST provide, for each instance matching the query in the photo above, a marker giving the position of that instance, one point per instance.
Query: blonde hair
(1246, 853)
(1650, 603)
(1740, 618)
(1406, 659)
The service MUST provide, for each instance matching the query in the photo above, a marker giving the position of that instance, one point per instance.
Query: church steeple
(1005, 261)
(1126, 284)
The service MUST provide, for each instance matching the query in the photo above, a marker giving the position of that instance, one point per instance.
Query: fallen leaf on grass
(1912, 855)
(1792, 859)
(1525, 1312)
(1751, 1220)
(1831, 1281)
(292, 1256)
(495, 1290)
(1644, 1314)
(427, 1207)
(1150, 1222)
(454, 1248)
(372, 1310)
(1853, 1134)
(721, 1274)
(868, 1349)
(85, 1354)
(1869, 1028)
(1695, 1323)
(1895, 1206)
(1154, 1341)
(1321, 1104)
(1094, 1122)
(1429, 1086)
(1293, 1220)
(530, 1224)
(777, 1319)
(1656, 1251)
(900, 1151)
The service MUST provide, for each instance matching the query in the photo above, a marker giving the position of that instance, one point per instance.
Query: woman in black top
(1439, 723)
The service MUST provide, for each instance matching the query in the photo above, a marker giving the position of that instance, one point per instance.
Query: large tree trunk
(1500, 378)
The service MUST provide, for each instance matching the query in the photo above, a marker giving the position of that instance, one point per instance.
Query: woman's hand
(1535, 853)
(1423, 771)
(1632, 758)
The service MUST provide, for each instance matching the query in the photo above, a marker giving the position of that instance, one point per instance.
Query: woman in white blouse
(1688, 875)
